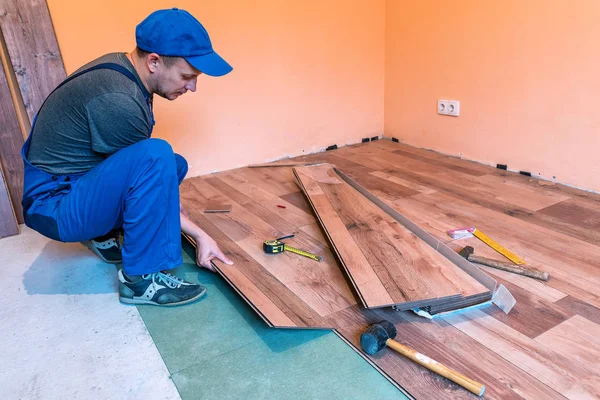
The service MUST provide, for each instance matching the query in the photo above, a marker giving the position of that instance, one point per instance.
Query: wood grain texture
(8, 220)
(33, 50)
(572, 263)
(388, 264)
(576, 212)
(11, 141)
(577, 339)
(579, 307)
(446, 344)
(562, 374)
(283, 287)
(505, 198)
(531, 315)
(502, 351)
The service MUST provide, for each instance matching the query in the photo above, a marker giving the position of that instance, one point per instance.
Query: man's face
(176, 80)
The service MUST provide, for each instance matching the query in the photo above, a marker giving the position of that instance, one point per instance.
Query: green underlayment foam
(218, 348)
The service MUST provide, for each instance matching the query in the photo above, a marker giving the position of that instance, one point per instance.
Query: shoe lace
(170, 280)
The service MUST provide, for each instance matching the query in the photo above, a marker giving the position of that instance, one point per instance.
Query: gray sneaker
(107, 247)
(159, 289)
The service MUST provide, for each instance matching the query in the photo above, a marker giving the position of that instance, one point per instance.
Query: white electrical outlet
(454, 108)
(449, 107)
(442, 107)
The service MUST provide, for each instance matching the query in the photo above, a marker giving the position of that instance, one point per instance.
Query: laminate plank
(528, 197)
(268, 200)
(310, 289)
(410, 270)
(384, 161)
(531, 315)
(561, 282)
(446, 344)
(577, 340)
(569, 262)
(575, 212)
(11, 141)
(273, 301)
(587, 199)
(451, 186)
(269, 180)
(488, 188)
(560, 373)
(403, 182)
(576, 306)
(281, 163)
(365, 158)
(383, 188)
(439, 163)
(316, 232)
(508, 380)
(554, 250)
(474, 166)
(546, 186)
(420, 382)
(33, 50)
(309, 280)
(363, 276)
(260, 297)
(8, 221)
(267, 296)
(299, 201)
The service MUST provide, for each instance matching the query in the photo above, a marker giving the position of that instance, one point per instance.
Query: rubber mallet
(468, 251)
(382, 334)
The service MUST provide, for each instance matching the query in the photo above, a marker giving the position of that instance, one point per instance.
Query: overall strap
(112, 66)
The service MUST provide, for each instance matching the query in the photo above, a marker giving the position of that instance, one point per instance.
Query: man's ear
(152, 61)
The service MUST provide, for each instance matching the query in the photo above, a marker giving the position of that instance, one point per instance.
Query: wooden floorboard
(8, 220)
(11, 141)
(576, 339)
(533, 316)
(33, 50)
(298, 288)
(525, 354)
(388, 264)
(560, 373)
(579, 307)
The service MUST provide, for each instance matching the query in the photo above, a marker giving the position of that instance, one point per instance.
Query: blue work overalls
(136, 189)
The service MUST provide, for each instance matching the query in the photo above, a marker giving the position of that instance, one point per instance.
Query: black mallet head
(466, 252)
(375, 337)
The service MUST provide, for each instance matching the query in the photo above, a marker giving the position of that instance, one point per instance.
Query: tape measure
(276, 246)
(490, 242)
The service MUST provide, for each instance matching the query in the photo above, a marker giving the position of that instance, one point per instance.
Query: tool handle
(432, 365)
(515, 269)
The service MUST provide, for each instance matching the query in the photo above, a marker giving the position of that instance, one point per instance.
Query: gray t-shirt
(90, 117)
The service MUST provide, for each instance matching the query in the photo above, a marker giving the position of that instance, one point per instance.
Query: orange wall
(527, 74)
(307, 74)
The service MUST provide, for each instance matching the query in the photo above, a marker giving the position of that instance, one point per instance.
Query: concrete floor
(65, 335)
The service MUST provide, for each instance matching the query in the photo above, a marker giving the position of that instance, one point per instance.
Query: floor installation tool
(487, 240)
(276, 246)
(468, 251)
(217, 208)
(382, 334)
(468, 232)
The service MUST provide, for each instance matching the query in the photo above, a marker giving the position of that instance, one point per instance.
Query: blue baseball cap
(176, 33)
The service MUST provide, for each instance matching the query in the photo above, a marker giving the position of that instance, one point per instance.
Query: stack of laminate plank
(387, 263)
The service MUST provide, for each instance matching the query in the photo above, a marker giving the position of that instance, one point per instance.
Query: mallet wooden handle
(515, 269)
(456, 377)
